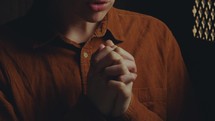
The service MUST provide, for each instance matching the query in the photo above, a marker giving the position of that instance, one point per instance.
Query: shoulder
(143, 20)
(138, 25)
(6, 36)
(12, 35)
(144, 33)
(11, 43)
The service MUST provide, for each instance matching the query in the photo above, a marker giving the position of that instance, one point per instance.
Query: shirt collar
(111, 24)
(114, 25)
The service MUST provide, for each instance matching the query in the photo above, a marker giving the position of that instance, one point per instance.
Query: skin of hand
(125, 89)
(110, 79)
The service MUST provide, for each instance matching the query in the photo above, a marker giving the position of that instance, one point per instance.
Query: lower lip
(98, 7)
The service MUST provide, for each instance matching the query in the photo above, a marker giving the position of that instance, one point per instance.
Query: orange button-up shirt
(43, 77)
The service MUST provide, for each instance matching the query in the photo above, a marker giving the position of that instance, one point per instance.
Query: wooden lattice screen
(204, 14)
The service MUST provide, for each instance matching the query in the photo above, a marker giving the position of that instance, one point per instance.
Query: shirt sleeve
(139, 112)
(177, 89)
(7, 112)
(181, 98)
(178, 83)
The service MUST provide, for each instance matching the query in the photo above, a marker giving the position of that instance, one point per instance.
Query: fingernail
(109, 43)
(101, 46)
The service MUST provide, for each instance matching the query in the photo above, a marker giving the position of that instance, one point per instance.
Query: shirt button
(85, 54)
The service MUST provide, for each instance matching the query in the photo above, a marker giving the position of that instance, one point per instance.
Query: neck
(73, 27)
(79, 31)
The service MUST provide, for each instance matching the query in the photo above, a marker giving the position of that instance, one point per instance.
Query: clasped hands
(110, 79)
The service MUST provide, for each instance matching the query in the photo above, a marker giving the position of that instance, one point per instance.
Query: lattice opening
(204, 14)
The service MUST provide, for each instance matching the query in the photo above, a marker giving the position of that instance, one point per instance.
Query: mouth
(98, 5)
(100, 2)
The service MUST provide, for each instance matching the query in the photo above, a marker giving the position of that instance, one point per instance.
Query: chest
(44, 85)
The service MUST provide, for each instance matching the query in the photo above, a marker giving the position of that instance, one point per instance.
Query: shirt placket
(86, 53)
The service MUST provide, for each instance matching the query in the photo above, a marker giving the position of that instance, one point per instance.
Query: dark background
(177, 14)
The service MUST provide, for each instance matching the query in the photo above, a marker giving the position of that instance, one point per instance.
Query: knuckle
(121, 86)
(107, 48)
(119, 60)
(121, 78)
(106, 70)
(133, 77)
(128, 78)
(133, 67)
(123, 69)
(125, 79)
(132, 58)
(111, 55)
(118, 49)
(110, 84)
(95, 60)
(127, 94)
(115, 57)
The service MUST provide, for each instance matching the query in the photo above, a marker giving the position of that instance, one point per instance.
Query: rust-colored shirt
(43, 77)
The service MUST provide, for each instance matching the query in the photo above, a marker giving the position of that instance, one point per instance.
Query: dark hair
(39, 7)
